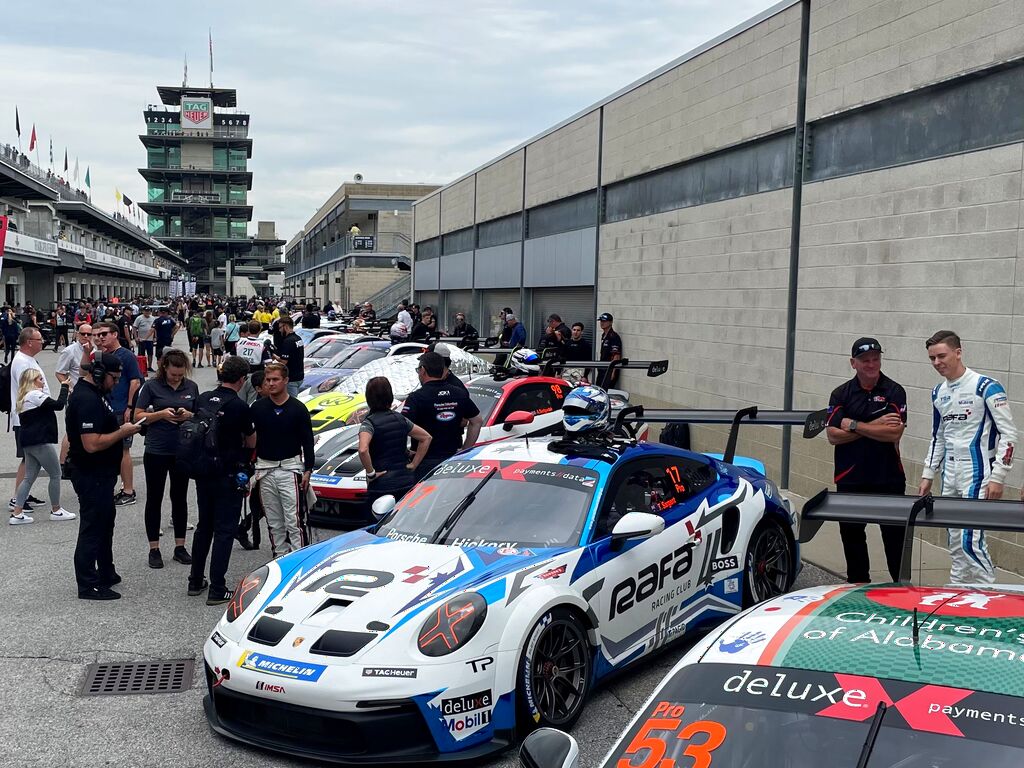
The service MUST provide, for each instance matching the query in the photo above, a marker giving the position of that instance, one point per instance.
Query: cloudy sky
(403, 91)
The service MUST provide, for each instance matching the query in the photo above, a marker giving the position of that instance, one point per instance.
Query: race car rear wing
(653, 367)
(909, 512)
(813, 422)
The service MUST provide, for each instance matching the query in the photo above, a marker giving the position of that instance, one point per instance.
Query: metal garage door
(457, 301)
(571, 304)
(491, 303)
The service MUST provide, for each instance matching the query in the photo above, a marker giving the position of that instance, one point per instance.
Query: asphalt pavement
(52, 636)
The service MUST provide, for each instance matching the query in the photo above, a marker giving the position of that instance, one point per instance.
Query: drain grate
(125, 679)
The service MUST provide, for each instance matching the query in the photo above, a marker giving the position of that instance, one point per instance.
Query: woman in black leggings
(166, 401)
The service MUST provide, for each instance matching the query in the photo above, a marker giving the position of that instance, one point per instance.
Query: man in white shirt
(69, 361)
(403, 315)
(30, 344)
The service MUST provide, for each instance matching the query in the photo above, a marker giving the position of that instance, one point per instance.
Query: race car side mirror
(517, 419)
(383, 505)
(636, 525)
(549, 748)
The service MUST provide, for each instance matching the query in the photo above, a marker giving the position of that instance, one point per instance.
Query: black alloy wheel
(554, 674)
(768, 568)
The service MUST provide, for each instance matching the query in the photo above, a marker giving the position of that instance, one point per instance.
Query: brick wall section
(457, 205)
(563, 163)
(741, 88)
(499, 187)
(865, 50)
(425, 217)
(897, 254)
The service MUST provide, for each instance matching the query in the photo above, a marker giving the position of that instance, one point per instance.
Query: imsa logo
(652, 579)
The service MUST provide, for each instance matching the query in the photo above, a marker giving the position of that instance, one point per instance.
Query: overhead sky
(399, 90)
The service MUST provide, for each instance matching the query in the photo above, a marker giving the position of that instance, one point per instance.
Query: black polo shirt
(611, 345)
(89, 413)
(292, 350)
(439, 407)
(866, 461)
(577, 349)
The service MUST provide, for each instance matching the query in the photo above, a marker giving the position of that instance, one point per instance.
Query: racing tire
(555, 669)
(768, 568)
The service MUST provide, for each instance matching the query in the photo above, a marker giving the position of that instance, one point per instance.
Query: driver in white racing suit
(973, 436)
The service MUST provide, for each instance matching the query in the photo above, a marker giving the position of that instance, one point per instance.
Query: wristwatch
(853, 426)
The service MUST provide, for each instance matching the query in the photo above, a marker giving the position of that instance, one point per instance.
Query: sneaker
(243, 539)
(98, 593)
(33, 500)
(156, 560)
(12, 505)
(124, 499)
(21, 519)
(182, 556)
(115, 579)
(220, 599)
(194, 590)
(62, 514)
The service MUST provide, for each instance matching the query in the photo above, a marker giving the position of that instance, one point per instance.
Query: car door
(648, 581)
(541, 399)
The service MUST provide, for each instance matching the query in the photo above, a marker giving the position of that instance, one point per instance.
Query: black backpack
(5, 389)
(198, 455)
(676, 435)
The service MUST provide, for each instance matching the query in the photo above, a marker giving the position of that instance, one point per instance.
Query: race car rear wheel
(768, 570)
(554, 672)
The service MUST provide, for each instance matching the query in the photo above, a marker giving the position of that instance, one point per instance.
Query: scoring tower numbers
(647, 750)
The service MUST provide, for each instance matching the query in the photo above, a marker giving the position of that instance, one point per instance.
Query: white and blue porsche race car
(493, 598)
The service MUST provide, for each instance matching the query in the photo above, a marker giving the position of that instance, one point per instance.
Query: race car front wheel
(768, 568)
(554, 672)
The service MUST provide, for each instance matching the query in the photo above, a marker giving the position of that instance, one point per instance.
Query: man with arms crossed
(973, 436)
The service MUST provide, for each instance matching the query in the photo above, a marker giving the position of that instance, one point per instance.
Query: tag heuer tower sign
(196, 113)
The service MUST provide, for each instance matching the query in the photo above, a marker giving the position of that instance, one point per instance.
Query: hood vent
(269, 631)
(335, 642)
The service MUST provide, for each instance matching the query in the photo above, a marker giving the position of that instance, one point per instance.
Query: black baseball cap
(605, 317)
(865, 344)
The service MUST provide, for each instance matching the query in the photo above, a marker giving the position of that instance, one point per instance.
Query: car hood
(365, 584)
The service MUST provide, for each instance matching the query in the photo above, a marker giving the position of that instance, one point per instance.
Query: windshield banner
(564, 475)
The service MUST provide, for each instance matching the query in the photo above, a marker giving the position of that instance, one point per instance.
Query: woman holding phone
(166, 401)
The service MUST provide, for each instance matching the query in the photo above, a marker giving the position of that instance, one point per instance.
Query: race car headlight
(328, 384)
(452, 625)
(357, 416)
(247, 590)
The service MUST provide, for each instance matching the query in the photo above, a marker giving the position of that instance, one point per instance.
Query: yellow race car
(336, 409)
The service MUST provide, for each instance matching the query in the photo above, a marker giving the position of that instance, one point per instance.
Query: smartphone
(140, 422)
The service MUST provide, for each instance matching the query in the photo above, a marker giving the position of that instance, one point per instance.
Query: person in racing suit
(973, 436)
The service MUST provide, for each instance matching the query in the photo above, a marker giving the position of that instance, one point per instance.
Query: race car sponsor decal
(218, 639)
(481, 664)
(741, 642)
(652, 579)
(553, 573)
(434, 583)
(272, 665)
(343, 581)
(269, 687)
(531, 647)
(465, 714)
(732, 586)
(962, 638)
(331, 401)
(401, 672)
(415, 574)
(325, 479)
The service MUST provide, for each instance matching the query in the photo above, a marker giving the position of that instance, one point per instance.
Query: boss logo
(651, 579)
(725, 564)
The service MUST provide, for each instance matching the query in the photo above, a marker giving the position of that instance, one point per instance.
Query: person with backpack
(197, 332)
(29, 344)
(167, 400)
(224, 437)
(37, 411)
(9, 328)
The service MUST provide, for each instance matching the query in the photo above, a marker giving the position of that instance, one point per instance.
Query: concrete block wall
(744, 87)
(362, 282)
(563, 163)
(425, 217)
(457, 205)
(865, 50)
(499, 187)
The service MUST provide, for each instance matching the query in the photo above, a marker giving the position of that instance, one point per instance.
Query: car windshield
(355, 358)
(306, 334)
(484, 397)
(326, 347)
(524, 504)
(748, 716)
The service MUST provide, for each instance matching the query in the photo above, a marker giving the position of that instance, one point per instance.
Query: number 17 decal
(714, 735)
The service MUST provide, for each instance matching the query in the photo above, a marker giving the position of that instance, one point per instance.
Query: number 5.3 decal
(704, 737)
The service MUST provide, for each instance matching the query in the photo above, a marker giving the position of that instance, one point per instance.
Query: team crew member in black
(611, 345)
(446, 355)
(284, 459)
(867, 416)
(220, 494)
(576, 347)
(290, 352)
(440, 409)
(94, 454)
(384, 444)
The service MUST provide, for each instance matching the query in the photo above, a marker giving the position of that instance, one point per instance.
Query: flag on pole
(65, 159)
(117, 193)
(88, 183)
(211, 57)
(76, 170)
(127, 201)
(32, 140)
(17, 121)
(51, 153)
